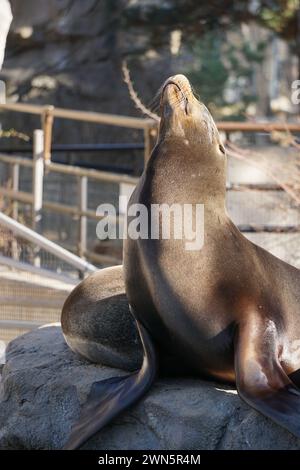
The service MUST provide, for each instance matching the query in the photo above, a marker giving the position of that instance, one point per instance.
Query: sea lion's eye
(222, 149)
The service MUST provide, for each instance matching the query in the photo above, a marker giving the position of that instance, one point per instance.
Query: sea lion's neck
(175, 176)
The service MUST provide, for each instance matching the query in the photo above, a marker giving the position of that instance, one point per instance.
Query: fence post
(37, 185)
(47, 123)
(15, 206)
(15, 188)
(83, 203)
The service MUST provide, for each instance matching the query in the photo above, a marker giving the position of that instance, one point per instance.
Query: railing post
(15, 188)
(47, 123)
(37, 184)
(83, 203)
(37, 178)
(15, 206)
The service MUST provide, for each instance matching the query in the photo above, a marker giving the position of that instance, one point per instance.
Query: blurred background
(240, 56)
(243, 60)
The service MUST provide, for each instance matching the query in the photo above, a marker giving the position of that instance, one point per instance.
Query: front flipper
(110, 397)
(260, 378)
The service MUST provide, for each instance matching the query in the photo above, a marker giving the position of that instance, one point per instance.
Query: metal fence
(37, 202)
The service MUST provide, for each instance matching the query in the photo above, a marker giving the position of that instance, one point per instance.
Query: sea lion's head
(187, 121)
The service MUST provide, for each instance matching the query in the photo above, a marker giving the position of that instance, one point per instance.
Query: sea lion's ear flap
(262, 382)
(108, 398)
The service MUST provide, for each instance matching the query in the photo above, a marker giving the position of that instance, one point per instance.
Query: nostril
(186, 108)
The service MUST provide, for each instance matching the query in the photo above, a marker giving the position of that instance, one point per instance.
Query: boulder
(44, 384)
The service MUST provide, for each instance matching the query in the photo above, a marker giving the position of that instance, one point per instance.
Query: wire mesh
(26, 296)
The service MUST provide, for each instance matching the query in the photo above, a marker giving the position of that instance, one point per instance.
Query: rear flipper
(260, 378)
(110, 397)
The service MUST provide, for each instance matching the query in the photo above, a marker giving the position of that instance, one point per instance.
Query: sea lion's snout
(185, 117)
(176, 93)
(181, 82)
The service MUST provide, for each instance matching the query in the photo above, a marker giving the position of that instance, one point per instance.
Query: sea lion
(230, 310)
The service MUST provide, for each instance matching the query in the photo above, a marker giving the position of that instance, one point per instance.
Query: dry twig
(133, 94)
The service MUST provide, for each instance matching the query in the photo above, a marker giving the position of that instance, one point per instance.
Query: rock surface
(43, 385)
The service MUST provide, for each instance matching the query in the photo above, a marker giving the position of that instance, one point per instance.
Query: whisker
(195, 93)
(157, 97)
(177, 101)
(173, 102)
(155, 109)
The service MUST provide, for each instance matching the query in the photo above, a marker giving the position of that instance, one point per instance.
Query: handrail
(141, 123)
(46, 273)
(20, 324)
(12, 159)
(20, 196)
(90, 173)
(99, 175)
(43, 242)
(87, 116)
(231, 126)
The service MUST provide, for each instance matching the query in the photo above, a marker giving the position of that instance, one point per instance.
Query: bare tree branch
(133, 94)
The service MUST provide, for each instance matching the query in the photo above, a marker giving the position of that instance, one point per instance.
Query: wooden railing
(48, 113)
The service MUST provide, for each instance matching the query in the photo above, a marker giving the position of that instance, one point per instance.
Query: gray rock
(44, 384)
